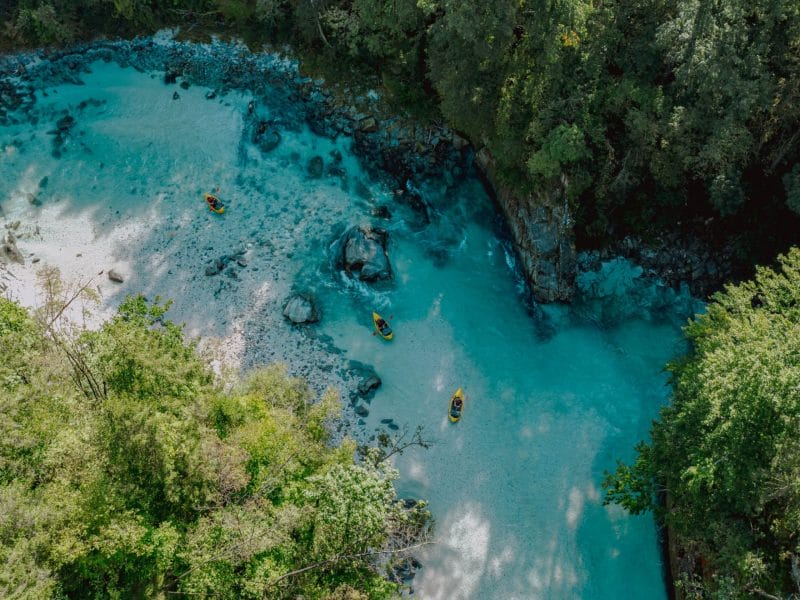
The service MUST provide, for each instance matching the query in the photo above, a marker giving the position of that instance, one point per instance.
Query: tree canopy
(652, 111)
(126, 470)
(726, 453)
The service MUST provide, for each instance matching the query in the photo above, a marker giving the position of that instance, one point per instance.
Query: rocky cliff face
(541, 227)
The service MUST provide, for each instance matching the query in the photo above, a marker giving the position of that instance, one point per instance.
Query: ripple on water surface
(514, 486)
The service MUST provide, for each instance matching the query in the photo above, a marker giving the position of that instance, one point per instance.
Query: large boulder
(300, 309)
(364, 254)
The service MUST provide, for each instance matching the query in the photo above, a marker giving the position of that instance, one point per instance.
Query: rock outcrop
(300, 309)
(363, 253)
(542, 230)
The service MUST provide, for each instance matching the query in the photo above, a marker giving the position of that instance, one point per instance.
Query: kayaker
(213, 202)
(457, 404)
(382, 325)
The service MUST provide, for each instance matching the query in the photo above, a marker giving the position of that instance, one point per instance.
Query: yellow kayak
(382, 326)
(456, 406)
(214, 204)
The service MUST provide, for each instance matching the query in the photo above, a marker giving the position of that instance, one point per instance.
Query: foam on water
(551, 401)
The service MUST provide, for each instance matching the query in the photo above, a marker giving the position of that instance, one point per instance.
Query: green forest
(642, 114)
(723, 467)
(127, 470)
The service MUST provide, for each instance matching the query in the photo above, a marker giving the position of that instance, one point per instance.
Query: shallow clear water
(553, 397)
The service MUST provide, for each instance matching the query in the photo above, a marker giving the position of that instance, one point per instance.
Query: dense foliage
(643, 113)
(726, 453)
(126, 471)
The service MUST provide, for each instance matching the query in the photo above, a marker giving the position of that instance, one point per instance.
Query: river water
(554, 395)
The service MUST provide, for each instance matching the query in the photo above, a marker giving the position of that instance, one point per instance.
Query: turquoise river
(554, 394)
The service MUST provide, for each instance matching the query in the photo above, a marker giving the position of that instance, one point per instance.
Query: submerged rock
(171, 75)
(63, 128)
(266, 137)
(411, 196)
(382, 212)
(215, 267)
(300, 309)
(212, 270)
(11, 97)
(64, 124)
(364, 254)
(368, 385)
(315, 167)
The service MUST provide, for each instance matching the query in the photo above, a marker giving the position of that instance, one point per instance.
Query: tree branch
(763, 594)
(71, 300)
(339, 557)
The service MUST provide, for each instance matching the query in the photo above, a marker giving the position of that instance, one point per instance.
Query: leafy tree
(466, 52)
(726, 451)
(156, 481)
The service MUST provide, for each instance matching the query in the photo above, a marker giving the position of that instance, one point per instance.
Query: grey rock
(171, 75)
(215, 267)
(9, 251)
(368, 125)
(369, 384)
(300, 309)
(115, 276)
(541, 225)
(364, 253)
